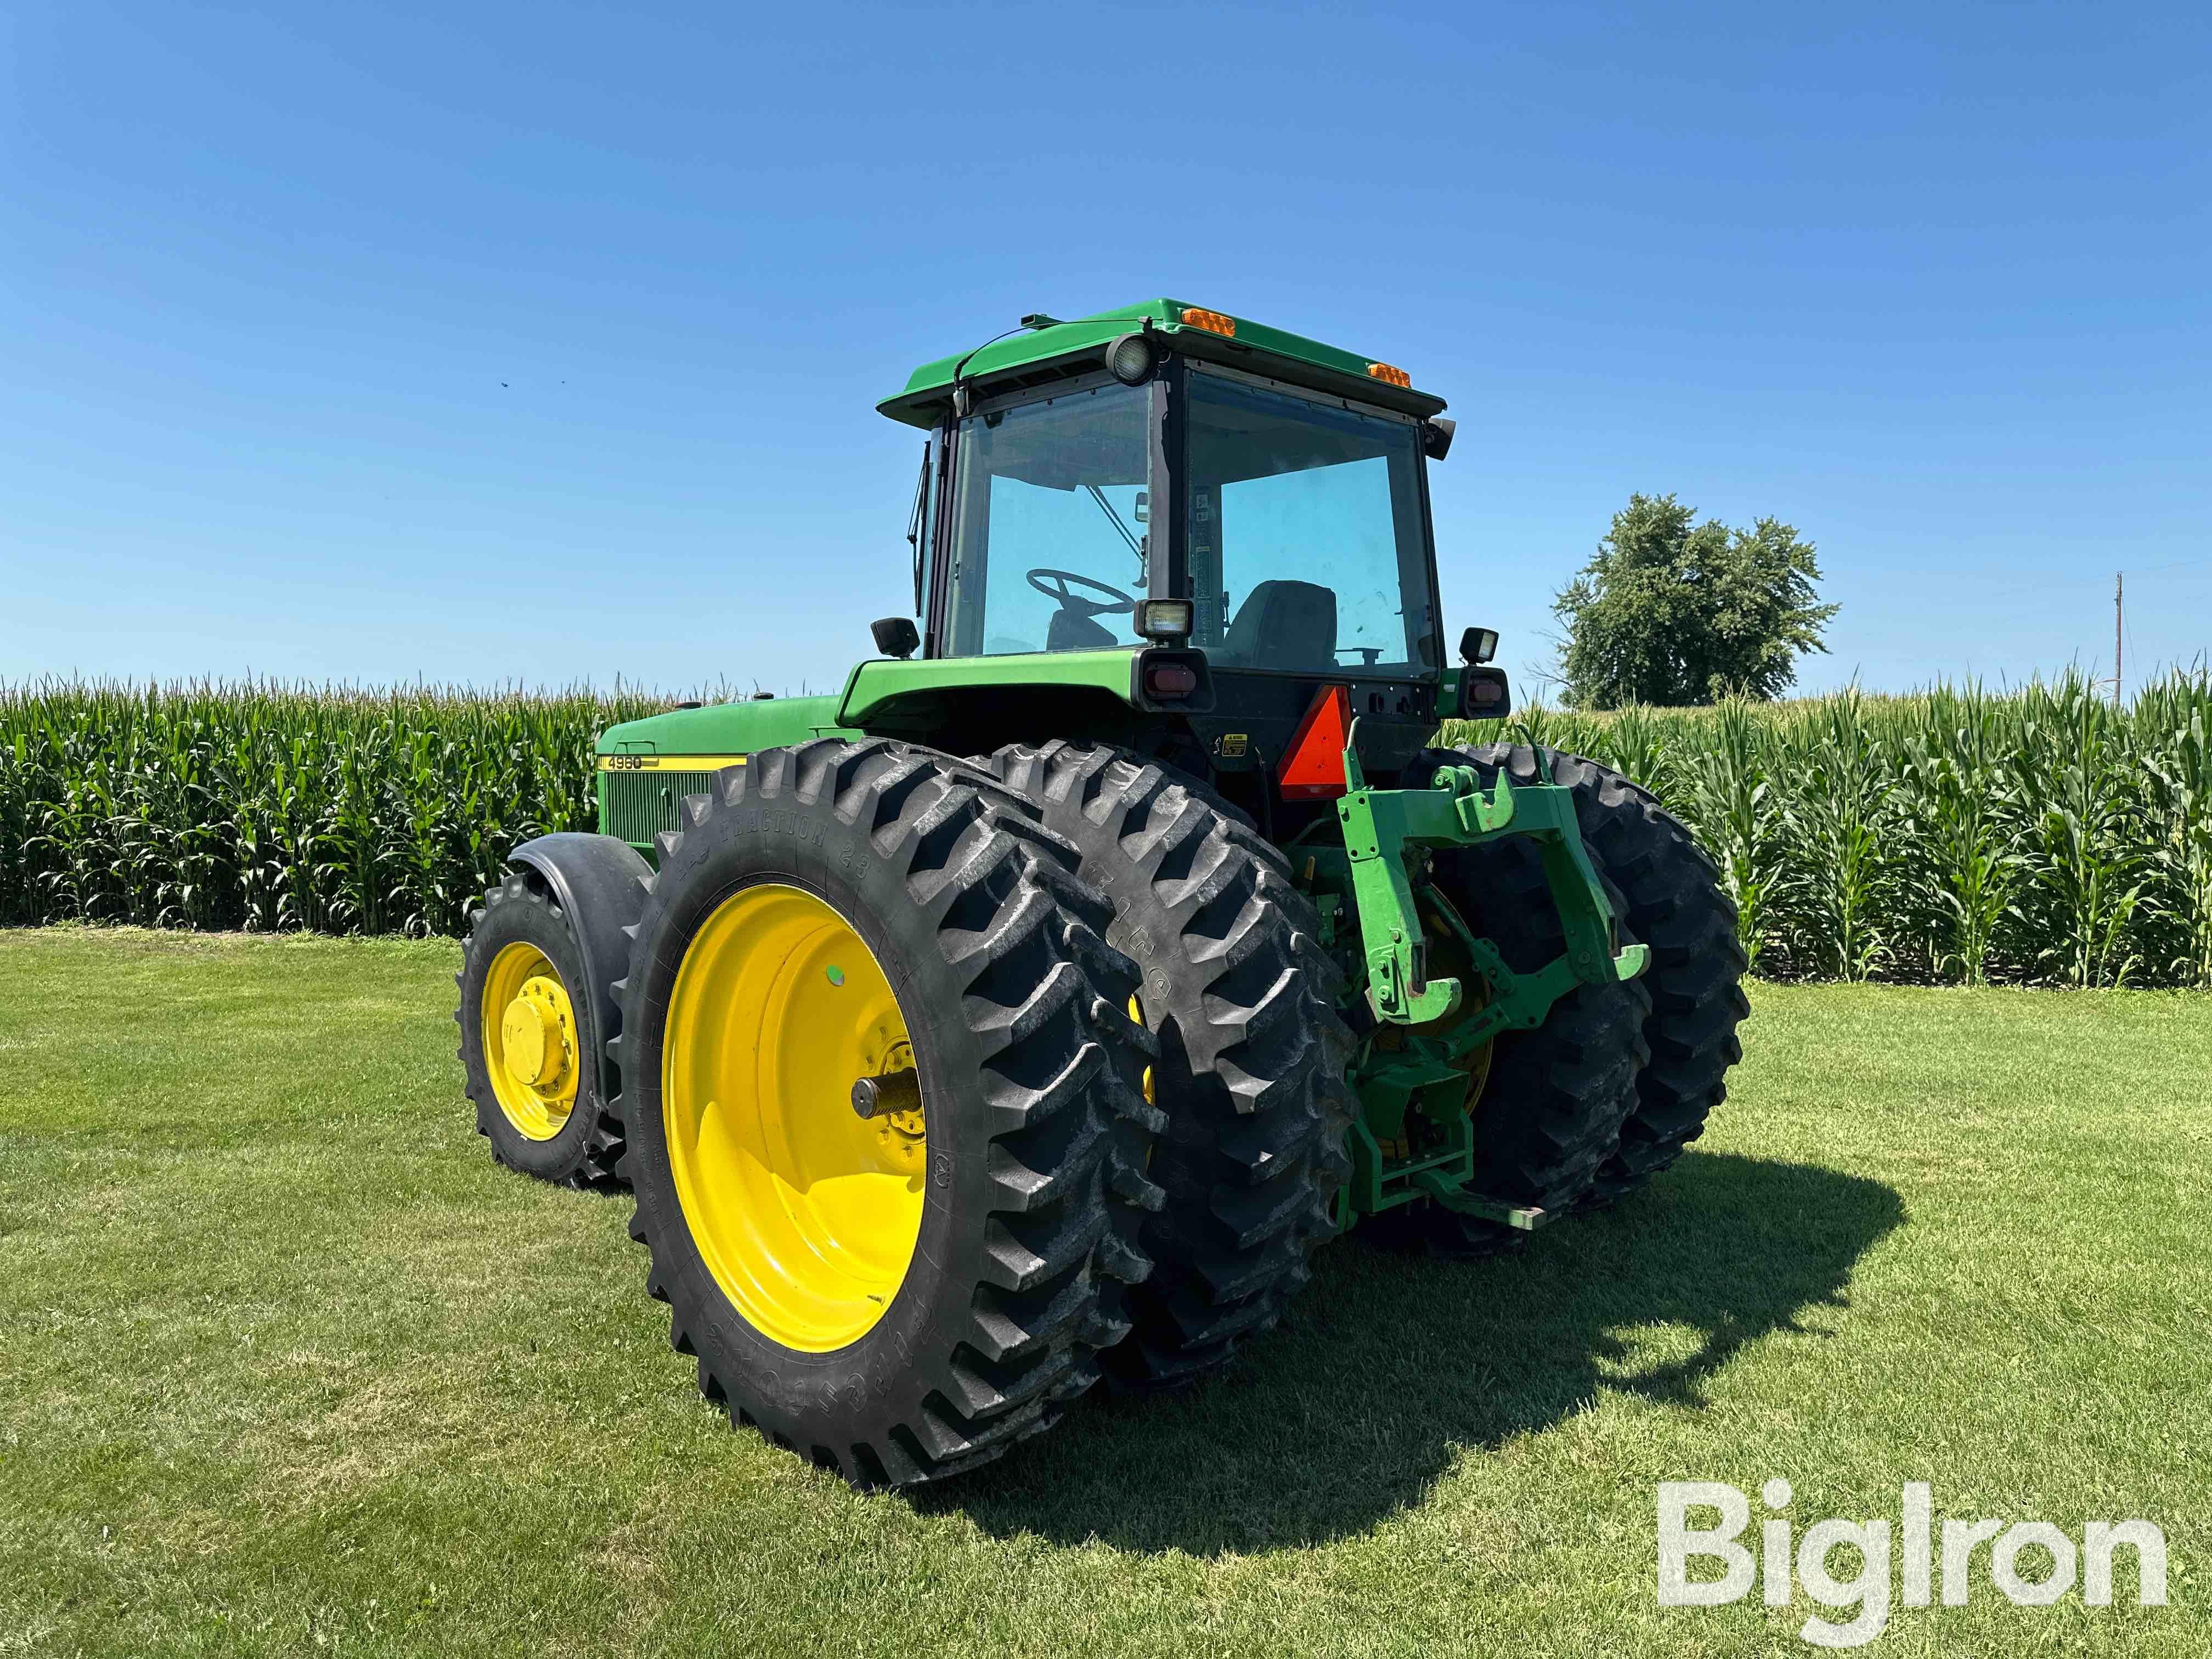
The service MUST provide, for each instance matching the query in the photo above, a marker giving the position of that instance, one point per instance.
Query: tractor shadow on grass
(1390, 1367)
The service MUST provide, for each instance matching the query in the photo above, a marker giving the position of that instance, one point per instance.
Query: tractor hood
(720, 731)
(885, 695)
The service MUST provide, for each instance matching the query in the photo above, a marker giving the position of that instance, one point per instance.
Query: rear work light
(1165, 620)
(1393, 376)
(1170, 682)
(1214, 322)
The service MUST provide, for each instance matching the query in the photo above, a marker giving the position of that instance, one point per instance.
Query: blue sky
(504, 343)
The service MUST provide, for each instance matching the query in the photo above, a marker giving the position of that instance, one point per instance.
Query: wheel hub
(901, 1140)
(531, 1046)
(538, 1032)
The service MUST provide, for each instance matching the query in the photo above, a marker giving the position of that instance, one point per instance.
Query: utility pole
(2118, 590)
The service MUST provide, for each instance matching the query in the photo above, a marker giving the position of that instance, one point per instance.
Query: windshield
(1304, 534)
(1049, 525)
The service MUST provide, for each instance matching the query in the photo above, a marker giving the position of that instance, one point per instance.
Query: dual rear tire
(1668, 895)
(1253, 1053)
(1621, 1077)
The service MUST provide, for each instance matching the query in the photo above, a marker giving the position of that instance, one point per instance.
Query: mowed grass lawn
(287, 1366)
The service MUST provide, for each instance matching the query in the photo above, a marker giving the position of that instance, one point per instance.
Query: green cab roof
(1042, 355)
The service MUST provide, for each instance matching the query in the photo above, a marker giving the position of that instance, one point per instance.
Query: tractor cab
(1164, 479)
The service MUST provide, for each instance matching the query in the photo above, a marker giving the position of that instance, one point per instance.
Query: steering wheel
(1056, 590)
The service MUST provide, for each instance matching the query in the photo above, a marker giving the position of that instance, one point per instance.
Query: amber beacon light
(1214, 322)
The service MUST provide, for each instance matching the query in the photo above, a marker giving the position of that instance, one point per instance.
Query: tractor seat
(1070, 630)
(1284, 624)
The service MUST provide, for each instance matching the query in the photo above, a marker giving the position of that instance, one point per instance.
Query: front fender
(598, 882)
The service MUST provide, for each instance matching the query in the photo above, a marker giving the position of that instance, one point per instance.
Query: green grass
(287, 1365)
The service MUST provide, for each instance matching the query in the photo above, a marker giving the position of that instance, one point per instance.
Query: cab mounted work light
(1132, 358)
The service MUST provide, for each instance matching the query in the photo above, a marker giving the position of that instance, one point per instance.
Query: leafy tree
(1671, 611)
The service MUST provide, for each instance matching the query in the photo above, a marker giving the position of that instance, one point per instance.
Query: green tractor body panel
(882, 694)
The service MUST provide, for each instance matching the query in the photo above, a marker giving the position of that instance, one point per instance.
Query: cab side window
(1049, 549)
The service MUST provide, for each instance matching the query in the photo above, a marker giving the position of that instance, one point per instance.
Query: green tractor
(1032, 1010)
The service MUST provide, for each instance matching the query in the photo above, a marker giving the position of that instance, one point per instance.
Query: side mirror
(1478, 645)
(1483, 693)
(1436, 436)
(895, 637)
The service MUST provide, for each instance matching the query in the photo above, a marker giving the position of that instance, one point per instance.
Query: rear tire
(1034, 1131)
(1253, 1053)
(1552, 1107)
(1675, 904)
(554, 1126)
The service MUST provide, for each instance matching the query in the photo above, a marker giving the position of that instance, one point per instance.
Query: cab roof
(1037, 356)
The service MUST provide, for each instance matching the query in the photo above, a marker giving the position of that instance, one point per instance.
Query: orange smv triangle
(1313, 766)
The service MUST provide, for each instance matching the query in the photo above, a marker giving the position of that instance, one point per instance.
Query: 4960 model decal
(668, 763)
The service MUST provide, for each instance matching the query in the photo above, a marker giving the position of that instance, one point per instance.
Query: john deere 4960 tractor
(1030, 1010)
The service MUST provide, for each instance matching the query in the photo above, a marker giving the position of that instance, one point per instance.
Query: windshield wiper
(917, 521)
(1121, 529)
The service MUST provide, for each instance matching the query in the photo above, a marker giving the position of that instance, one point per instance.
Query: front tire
(529, 1046)
(899, 1297)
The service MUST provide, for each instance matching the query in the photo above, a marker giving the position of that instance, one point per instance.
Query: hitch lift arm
(1379, 825)
(1382, 828)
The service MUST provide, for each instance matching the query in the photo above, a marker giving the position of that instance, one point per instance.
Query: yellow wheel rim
(531, 1048)
(805, 1212)
(1137, 1013)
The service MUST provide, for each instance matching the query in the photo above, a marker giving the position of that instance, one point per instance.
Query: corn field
(272, 807)
(1962, 836)
(1958, 835)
